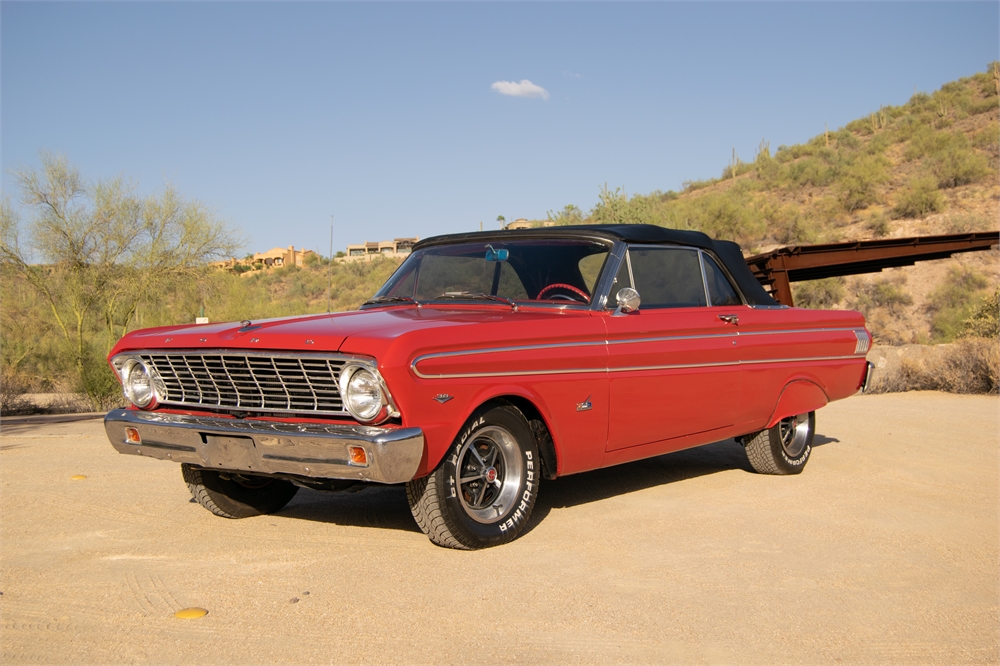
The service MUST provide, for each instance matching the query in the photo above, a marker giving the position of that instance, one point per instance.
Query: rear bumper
(267, 447)
(869, 367)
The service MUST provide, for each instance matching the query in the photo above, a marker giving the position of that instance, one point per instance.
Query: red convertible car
(488, 362)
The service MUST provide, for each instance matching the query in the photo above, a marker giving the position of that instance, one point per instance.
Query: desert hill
(930, 166)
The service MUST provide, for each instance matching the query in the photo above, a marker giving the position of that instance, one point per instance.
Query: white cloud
(523, 89)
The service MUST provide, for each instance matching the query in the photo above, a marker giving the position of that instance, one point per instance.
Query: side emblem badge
(442, 397)
(585, 405)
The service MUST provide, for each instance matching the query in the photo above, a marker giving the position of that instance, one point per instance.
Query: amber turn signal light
(132, 436)
(357, 455)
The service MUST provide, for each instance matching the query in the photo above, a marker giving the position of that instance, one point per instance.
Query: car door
(673, 364)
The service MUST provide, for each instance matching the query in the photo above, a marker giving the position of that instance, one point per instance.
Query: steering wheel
(566, 287)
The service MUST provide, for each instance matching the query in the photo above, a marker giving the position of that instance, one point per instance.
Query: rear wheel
(785, 448)
(233, 495)
(483, 491)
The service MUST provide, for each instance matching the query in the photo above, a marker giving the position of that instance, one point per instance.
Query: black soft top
(728, 251)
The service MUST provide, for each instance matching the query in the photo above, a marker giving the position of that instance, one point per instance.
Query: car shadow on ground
(571, 491)
(385, 507)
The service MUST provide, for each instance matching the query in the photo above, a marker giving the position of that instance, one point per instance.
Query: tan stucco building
(397, 247)
(280, 256)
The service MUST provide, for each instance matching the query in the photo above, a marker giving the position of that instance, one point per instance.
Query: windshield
(548, 270)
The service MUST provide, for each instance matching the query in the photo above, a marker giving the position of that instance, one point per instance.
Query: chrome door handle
(730, 319)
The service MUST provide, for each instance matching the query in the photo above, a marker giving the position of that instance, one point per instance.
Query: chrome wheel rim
(794, 433)
(489, 474)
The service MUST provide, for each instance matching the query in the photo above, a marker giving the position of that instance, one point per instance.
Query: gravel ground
(885, 550)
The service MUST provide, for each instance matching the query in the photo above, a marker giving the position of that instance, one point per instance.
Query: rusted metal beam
(779, 268)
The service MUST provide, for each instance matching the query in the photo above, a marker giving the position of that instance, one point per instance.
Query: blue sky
(386, 116)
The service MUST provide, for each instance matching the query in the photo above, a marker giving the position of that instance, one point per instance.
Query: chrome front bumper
(267, 447)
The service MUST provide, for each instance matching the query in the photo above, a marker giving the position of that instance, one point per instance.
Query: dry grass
(13, 388)
(970, 365)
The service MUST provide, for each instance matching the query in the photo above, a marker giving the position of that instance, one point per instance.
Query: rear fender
(798, 397)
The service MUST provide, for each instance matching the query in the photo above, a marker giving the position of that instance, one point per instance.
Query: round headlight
(362, 394)
(138, 383)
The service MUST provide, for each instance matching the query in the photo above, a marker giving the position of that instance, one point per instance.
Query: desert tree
(94, 252)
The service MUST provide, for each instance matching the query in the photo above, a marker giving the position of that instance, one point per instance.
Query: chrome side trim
(704, 277)
(269, 447)
(685, 366)
(797, 331)
(803, 358)
(515, 373)
(606, 281)
(636, 368)
(570, 345)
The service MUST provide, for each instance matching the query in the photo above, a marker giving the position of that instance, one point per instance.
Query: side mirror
(628, 300)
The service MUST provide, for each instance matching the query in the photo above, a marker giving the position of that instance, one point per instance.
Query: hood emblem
(443, 397)
(585, 406)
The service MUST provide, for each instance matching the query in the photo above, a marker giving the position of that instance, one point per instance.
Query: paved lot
(884, 550)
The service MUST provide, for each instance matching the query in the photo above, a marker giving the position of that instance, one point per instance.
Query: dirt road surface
(885, 550)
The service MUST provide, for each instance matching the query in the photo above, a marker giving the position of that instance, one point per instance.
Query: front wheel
(233, 495)
(784, 448)
(483, 491)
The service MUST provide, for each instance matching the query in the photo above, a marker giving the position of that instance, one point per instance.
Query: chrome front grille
(256, 382)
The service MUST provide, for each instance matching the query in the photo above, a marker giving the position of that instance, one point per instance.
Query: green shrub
(570, 214)
(985, 320)
(789, 153)
(919, 101)
(886, 293)
(953, 302)
(99, 383)
(987, 82)
(788, 225)
(880, 142)
(694, 185)
(957, 164)
(984, 105)
(828, 213)
(878, 225)
(858, 184)
(861, 126)
(924, 141)
(768, 168)
(962, 223)
(918, 199)
(846, 140)
(809, 171)
(733, 214)
(988, 138)
(818, 294)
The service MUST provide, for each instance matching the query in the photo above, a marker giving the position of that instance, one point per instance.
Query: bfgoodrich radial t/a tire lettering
(483, 491)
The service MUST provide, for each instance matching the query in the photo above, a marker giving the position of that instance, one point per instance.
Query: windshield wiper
(478, 295)
(382, 300)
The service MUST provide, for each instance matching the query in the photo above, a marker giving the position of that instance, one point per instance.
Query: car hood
(328, 332)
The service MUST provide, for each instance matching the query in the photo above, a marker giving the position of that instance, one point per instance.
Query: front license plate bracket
(227, 452)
